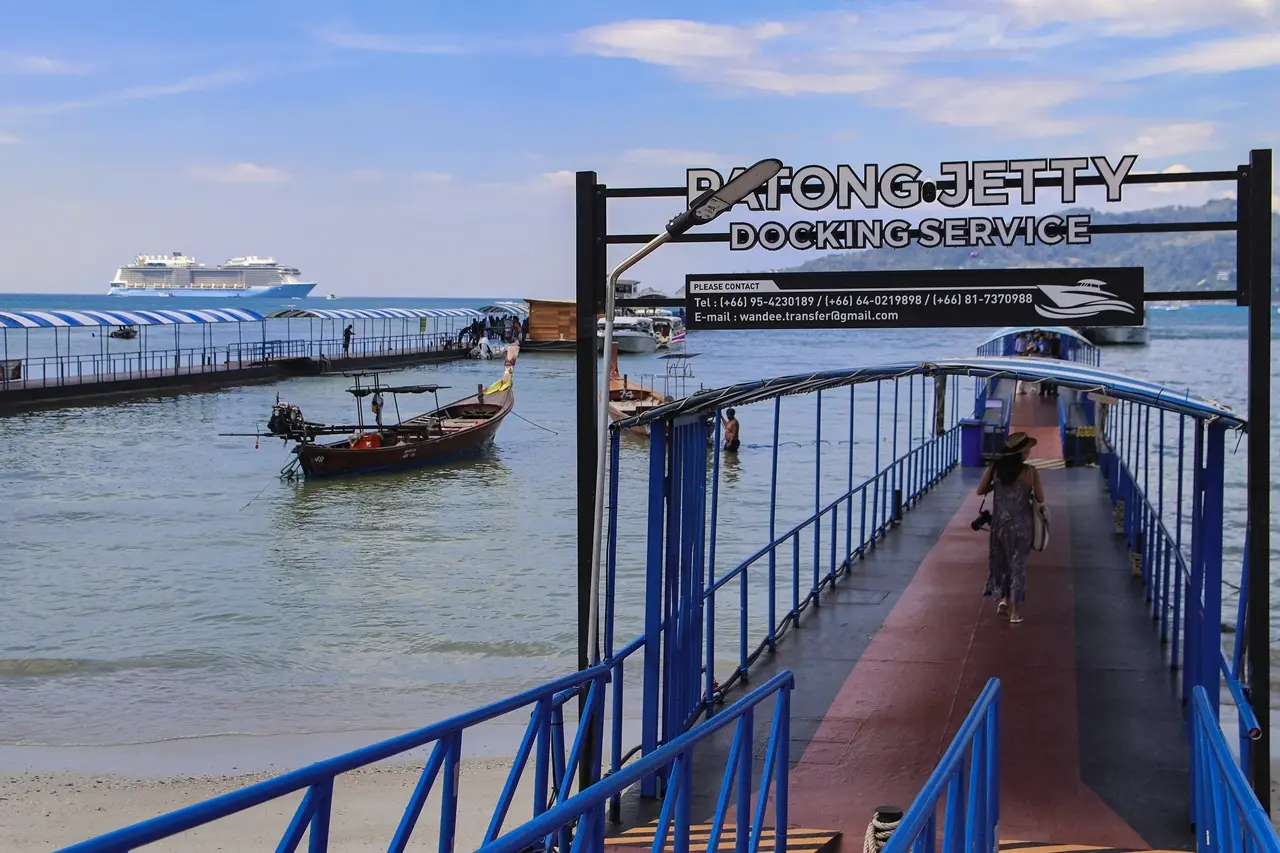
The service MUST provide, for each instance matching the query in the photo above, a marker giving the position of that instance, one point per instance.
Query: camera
(983, 520)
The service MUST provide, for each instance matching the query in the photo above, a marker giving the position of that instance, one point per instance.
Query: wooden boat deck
(1093, 743)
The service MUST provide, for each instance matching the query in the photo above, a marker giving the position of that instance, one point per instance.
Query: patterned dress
(1011, 530)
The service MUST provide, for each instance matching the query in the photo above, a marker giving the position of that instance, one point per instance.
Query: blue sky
(403, 149)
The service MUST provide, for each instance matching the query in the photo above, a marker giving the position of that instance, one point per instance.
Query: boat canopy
(372, 313)
(1065, 373)
(62, 318)
(1064, 331)
(395, 389)
(519, 309)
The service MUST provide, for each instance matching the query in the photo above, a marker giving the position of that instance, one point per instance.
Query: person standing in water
(730, 422)
(1014, 484)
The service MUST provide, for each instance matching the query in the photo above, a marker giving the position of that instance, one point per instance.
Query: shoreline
(45, 810)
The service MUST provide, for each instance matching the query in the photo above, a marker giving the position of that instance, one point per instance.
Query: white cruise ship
(180, 275)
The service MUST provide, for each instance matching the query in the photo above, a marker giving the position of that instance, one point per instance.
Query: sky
(429, 149)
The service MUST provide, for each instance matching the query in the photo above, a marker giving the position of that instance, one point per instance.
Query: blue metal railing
(1227, 814)
(1183, 590)
(865, 510)
(544, 739)
(969, 777)
(585, 811)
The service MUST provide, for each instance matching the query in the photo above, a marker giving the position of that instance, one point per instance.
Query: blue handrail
(973, 804)
(1227, 815)
(586, 809)
(544, 726)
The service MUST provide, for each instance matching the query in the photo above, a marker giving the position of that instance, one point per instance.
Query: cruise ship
(181, 275)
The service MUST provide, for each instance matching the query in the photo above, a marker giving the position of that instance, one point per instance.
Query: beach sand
(47, 810)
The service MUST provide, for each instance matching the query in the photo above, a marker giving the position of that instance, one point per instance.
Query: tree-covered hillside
(1188, 261)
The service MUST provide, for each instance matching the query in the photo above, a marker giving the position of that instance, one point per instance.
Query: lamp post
(704, 208)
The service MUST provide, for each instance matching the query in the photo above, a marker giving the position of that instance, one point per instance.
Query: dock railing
(554, 774)
(584, 813)
(1227, 815)
(1179, 558)
(968, 775)
(914, 442)
(383, 345)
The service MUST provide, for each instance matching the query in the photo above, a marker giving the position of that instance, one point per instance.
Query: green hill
(1187, 261)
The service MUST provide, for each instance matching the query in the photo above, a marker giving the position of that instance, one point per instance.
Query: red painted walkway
(911, 689)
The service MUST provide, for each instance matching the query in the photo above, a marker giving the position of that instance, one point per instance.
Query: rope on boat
(290, 471)
(883, 823)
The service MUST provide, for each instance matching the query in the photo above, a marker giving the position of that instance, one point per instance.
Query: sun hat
(1018, 442)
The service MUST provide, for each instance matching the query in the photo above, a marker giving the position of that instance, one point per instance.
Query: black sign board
(898, 299)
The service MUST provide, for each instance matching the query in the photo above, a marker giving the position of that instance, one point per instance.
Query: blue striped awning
(61, 318)
(519, 309)
(373, 313)
(1068, 374)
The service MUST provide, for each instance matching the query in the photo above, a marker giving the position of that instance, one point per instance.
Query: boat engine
(286, 420)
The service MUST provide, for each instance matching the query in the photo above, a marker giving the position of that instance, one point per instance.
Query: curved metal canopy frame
(1056, 330)
(1064, 373)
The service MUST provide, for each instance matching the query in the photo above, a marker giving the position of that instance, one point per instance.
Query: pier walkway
(1093, 742)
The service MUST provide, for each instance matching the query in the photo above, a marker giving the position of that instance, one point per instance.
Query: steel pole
(1255, 226)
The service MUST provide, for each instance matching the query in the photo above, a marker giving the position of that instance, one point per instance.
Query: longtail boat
(447, 432)
(627, 399)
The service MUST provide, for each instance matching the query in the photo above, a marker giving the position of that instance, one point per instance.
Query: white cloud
(1141, 18)
(1175, 169)
(239, 173)
(15, 63)
(676, 43)
(8, 139)
(1170, 140)
(186, 85)
(869, 57)
(1018, 108)
(1220, 56)
(431, 177)
(560, 179)
(429, 45)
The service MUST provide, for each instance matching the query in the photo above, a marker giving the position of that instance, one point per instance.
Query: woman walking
(1014, 484)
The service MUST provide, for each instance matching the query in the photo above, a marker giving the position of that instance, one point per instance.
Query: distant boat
(333, 296)
(630, 334)
(181, 275)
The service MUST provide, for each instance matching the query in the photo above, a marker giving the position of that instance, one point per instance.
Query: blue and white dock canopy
(1068, 374)
(65, 318)
(519, 309)
(373, 313)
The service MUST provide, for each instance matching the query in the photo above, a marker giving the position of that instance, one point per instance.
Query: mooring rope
(531, 423)
(882, 825)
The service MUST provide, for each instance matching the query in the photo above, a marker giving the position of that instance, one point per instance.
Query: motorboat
(631, 334)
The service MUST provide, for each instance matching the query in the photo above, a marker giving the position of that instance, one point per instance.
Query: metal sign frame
(1252, 226)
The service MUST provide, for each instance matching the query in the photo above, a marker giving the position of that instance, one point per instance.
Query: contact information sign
(1110, 296)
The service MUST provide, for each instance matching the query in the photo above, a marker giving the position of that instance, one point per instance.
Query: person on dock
(347, 334)
(1014, 485)
(730, 422)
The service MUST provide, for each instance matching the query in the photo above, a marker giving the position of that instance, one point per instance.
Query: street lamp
(704, 208)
